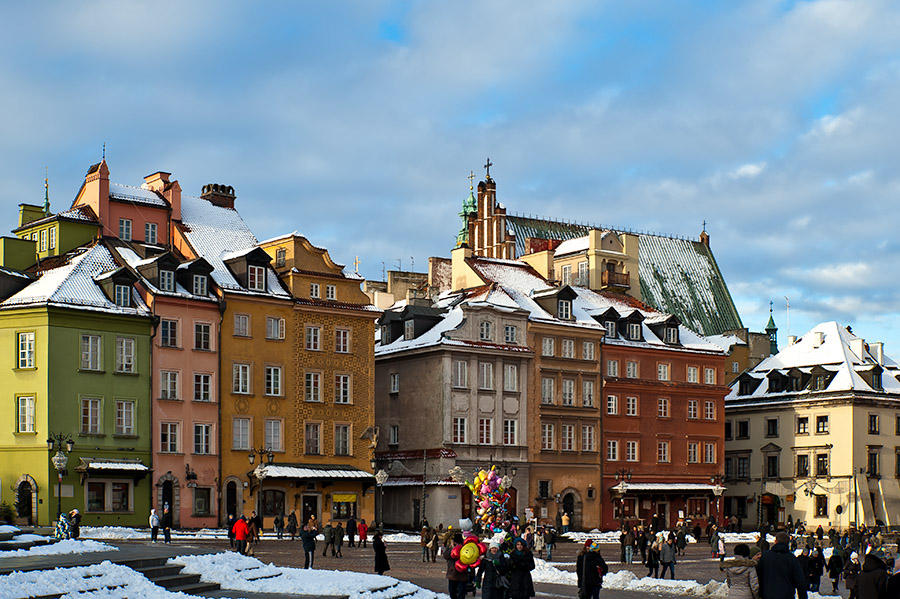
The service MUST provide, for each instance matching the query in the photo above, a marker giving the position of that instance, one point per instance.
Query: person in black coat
(835, 567)
(229, 526)
(166, 523)
(308, 538)
(590, 568)
(351, 532)
(381, 560)
(780, 573)
(653, 561)
(491, 576)
(521, 563)
(74, 524)
(872, 581)
(816, 568)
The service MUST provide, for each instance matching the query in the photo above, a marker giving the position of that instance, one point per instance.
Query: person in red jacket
(241, 532)
(363, 531)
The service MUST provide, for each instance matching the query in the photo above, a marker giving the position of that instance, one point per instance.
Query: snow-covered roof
(73, 285)
(572, 246)
(726, 342)
(277, 471)
(134, 261)
(216, 233)
(137, 195)
(108, 464)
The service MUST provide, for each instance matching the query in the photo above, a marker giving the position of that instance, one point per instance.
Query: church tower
(487, 232)
(468, 209)
(772, 332)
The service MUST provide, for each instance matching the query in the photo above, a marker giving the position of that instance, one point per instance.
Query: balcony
(618, 280)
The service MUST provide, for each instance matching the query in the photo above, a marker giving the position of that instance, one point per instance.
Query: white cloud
(748, 171)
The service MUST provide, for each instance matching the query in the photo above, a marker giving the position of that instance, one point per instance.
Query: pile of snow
(609, 536)
(7, 529)
(64, 546)
(744, 537)
(400, 537)
(238, 572)
(84, 582)
(137, 534)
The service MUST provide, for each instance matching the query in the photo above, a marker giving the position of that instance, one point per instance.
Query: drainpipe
(155, 328)
(219, 491)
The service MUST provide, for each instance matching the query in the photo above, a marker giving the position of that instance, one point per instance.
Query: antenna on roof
(383, 277)
(412, 264)
(46, 191)
(787, 305)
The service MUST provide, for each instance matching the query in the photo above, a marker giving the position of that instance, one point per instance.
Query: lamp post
(269, 455)
(64, 445)
(718, 489)
(623, 475)
(380, 478)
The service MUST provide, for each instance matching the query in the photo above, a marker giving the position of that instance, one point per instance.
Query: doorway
(416, 509)
(168, 495)
(662, 514)
(231, 499)
(309, 507)
(768, 504)
(24, 504)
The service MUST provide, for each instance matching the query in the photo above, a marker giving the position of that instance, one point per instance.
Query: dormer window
(200, 287)
(123, 296)
(167, 280)
(610, 328)
(385, 335)
(409, 329)
(330, 292)
(672, 335)
(486, 331)
(634, 331)
(564, 309)
(876, 381)
(150, 233)
(256, 278)
(280, 255)
(125, 229)
(314, 290)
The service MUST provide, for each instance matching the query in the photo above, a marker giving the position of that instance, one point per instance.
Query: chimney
(219, 195)
(859, 347)
(792, 339)
(95, 193)
(170, 190)
(818, 338)
(877, 349)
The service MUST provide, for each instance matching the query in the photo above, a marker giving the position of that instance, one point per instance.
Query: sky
(357, 123)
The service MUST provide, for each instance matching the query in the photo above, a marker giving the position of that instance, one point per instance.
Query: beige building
(813, 434)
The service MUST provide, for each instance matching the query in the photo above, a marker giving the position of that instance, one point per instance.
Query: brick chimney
(171, 190)
(95, 193)
(219, 195)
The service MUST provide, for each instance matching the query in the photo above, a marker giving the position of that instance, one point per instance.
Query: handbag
(502, 581)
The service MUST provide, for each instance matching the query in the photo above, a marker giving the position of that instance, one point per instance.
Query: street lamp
(60, 461)
(380, 478)
(251, 457)
(718, 489)
(623, 475)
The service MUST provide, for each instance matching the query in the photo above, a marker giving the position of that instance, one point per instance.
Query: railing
(615, 279)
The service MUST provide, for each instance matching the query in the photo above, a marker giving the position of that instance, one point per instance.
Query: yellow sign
(789, 498)
(344, 498)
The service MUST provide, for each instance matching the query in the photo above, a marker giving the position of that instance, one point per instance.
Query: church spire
(46, 192)
(772, 331)
(468, 207)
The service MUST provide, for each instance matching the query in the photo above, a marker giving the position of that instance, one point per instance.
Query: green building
(78, 367)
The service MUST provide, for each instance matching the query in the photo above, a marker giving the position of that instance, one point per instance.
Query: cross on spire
(487, 167)
(104, 150)
(704, 225)
(771, 304)
(471, 178)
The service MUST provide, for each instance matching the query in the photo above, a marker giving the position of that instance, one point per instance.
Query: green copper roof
(770, 326)
(468, 207)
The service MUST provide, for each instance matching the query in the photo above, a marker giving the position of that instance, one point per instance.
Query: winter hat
(854, 556)
(494, 545)
(587, 544)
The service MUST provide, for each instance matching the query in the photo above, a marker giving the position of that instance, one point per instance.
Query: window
(612, 368)
(486, 378)
(273, 434)
(547, 390)
(202, 387)
(692, 374)
(743, 430)
(610, 326)
(26, 350)
(709, 453)
(511, 334)
(873, 424)
(693, 456)
(199, 285)
(671, 335)
(612, 451)
(409, 329)
(564, 309)
(150, 233)
(587, 438)
(709, 410)
(566, 274)
(313, 387)
(330, 292)
(312, 438)
(486, 331)
(168, 384)
(52, 238)
(274, 327)
(735, 367)
(168, 437)
(743, 467)
(124, 417)
(314, 290)
(709, 376)
(544, 489)
(662, 407)
(803, 465)
(202, 501)
(342, 341)
(256, 278)
(123, 296)
(568, 348)
(803, 425)
(510, 432)
(662, 452)
(125, 229)
(587, 350)
(821, 425)
(567, 438)
(821, 464)
(167, 280)
(240, 378)
(872, 468)
(897, 425)
(202, 439)
(485, 431)
(821, 506)
(548, 437)
(631, 406)
(272, 502)
(313, 335)
(342, 388)
(202, 336)
(568, 392)
(631, 451)
(587, 394)
(634, 331)
(547, 346)
(280, 257)
(240, 433)
(583, 274)
(772, 466)
(612, 404)
(692, 409)
(25, 414)
(273, 380)
(728, 432)
(96, 496)
(395, 382)
(168, 333)
(394, 434)
(460, 373)
(771, 427)
(459, 430)
(662, 372)
(510, 377)
(631, 370)
(341, 439)
(241, 325)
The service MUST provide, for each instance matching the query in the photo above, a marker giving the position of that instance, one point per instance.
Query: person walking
(253, 537)
(292, 525)
(539, 542)
(667, 557)
(74, 524)
(652, 561)
(229, 526)
(154, 525)
(590, 568)
(313, 523)
(815, 569)
(278, 524)
(308, 538)
(363, 530)
(456, 580)
(720, 547)
(492, 573)
(642, 542)
(780, 573)
(550, 542)
(351, 532)
(740, 574)
(339, 539)
(381, 560)
(835, 568)
(566, 519)
(328, 533)
(521, 563)
(629, 544)
(681, 540)
(241, 531)
(872, 581)
(851, 573)
(425, 537)
(166, 523)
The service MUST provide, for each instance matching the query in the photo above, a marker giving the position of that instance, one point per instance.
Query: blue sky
(357, 123)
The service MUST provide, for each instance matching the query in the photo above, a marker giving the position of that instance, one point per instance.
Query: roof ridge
(590, 225)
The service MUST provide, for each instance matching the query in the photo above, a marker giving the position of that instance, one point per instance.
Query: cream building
(813, 434)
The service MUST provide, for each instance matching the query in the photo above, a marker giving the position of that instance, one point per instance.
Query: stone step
(176, 581)
(154, 572)
(197, 588)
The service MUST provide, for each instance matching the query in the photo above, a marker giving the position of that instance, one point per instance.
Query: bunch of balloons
(490, 498)
(468, 555)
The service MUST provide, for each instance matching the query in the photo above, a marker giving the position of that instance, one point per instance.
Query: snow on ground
(6, 529)
(28, 538)
(400, 537)
(64, 546)
(142, 534)
(244, 573)
(610, 536)
(84, 582)
(745, 537)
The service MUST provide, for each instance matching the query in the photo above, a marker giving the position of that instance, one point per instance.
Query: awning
(98, 466)
(661, 488)
(311, 472)
(414, 482)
